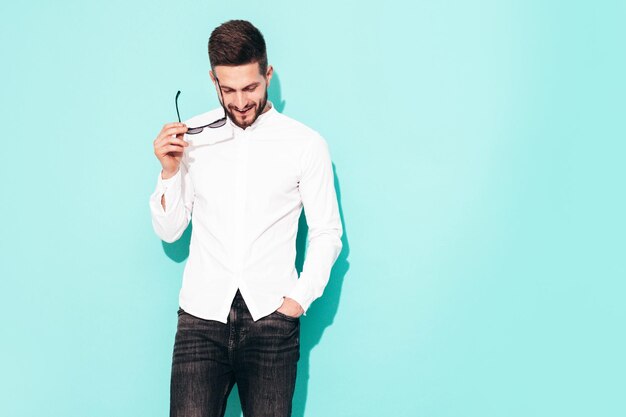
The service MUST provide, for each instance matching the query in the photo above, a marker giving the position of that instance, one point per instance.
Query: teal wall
(479, 155)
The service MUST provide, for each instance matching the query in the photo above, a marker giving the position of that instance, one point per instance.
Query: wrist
(168, 174)
(290, 308)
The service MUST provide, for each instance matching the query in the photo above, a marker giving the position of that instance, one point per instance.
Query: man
(246, 176)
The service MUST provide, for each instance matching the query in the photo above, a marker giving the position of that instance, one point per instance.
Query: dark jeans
(210, 357)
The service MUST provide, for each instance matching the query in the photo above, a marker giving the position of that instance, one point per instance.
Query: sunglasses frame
(195, 130)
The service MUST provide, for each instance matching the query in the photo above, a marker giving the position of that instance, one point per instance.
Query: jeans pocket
(286, 317)
(180, 311)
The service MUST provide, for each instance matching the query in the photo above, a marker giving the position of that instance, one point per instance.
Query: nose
(240, 100)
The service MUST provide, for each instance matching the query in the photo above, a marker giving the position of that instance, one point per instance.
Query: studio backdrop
(478, 150)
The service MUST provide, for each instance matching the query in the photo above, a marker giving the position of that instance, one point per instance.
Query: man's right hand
(169, 147)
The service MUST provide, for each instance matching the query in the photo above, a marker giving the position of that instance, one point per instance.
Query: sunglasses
(195, 130)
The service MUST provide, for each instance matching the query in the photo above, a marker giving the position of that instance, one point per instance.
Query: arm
(165, 176)
(317, 190)
(171, 204)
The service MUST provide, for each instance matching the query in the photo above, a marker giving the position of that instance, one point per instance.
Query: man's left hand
(291, 307)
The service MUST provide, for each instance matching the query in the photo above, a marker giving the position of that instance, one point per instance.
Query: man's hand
(169, 146)
(290, 307)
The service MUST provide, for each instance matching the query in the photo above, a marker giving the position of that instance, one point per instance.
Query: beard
(260, 106)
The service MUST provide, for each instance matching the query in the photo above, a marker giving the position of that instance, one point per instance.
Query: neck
(268, 106)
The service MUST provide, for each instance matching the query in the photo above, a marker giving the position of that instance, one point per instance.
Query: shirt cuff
(302, 294)
(171, 180)
(170, 188)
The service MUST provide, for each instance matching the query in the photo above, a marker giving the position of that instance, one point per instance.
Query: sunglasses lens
(194, 130)
(218, 123)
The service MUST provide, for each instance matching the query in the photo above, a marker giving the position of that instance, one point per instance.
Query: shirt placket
(241, 189)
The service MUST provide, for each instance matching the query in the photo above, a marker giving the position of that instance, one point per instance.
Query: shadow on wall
(322, 312)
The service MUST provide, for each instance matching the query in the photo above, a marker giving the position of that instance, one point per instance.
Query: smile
(243, 112)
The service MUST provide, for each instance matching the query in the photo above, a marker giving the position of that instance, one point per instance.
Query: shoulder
(207, 136)
(312, 148)
(297, 130)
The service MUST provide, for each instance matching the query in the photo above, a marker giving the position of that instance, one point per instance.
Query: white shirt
(246, 189)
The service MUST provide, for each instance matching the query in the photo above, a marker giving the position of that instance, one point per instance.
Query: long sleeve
(319, 199)
(169, 224)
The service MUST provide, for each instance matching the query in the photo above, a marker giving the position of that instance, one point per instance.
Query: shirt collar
(227, 131)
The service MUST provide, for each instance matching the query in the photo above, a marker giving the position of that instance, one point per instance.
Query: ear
(212, 76)
(268, 74)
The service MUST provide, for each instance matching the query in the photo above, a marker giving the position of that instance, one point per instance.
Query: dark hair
(237, 42)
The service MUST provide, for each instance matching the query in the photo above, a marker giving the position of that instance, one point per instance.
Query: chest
(257, 170)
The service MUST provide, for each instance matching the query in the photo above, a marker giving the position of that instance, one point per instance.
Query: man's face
(243, 91)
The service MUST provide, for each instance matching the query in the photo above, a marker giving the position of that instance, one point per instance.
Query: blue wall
(479, 157)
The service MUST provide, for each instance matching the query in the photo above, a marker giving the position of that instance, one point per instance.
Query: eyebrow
(248, 86)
